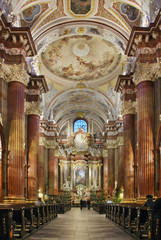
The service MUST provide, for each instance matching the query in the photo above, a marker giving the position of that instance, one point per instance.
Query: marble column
(145, 123)
(120, 151)
(144, 77)
(41, 170)
(111, 170)
(105, 170)
(33, 148)
(128, 126)
(16, 141)
(51, 170)
(56, 177)
(51, 166)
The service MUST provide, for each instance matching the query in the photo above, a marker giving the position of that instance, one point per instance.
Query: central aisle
(80, 225)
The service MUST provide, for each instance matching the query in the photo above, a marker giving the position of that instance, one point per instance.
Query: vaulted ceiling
(80, 46)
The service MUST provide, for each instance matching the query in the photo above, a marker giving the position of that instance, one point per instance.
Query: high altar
(80, 166)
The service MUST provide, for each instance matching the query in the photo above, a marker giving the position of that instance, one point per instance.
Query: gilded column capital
(15, 72)
(4, 70)
(119, 141)
(145, 72)
(105, 153)
(47, 143)
(111, 143)
(128, 107)
(33, 108)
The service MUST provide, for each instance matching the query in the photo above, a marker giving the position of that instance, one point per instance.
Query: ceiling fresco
(81, 51)
(81, 58)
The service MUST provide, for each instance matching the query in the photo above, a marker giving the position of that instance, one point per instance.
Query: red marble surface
(16, 157)
(33, 151)
(128, 126)
(145, 124)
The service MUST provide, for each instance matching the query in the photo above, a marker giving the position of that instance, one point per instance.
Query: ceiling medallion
(81, 49)
(81, 30)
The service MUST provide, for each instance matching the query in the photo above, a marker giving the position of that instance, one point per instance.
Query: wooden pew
(142, 222)
(6, 223)
(154, 224)
(29, 217)
(19, 220)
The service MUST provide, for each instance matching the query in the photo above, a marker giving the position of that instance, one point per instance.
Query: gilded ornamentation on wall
(128, 107)
(33, 108)
(145, 72)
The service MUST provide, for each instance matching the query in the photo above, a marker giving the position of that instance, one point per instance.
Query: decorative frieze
(33, 108)
(47, 143)
(128, 107)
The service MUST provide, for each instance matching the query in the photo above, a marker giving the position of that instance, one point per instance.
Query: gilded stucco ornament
(47, 143)
(111, 143)
(4, 70)
(15, 72)
(119, 141)
(145, 72)
(158, 71)
(33, 108)
(128, 107)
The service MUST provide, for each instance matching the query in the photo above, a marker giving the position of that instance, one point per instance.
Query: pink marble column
(128, 126)
(105, 171)
(41, 169)
(145, 124)
(33, 154)
(56, 170)
(16, 158)
(111, 170)
(51, 171)
(121, 166)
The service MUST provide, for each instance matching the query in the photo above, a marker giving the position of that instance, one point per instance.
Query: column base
(14, 200)
(129, 200)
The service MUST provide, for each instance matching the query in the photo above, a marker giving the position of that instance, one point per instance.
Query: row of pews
(141, 222)
(99, 207)
(16, 221)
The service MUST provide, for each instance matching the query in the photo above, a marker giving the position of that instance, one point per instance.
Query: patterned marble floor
(80, 225)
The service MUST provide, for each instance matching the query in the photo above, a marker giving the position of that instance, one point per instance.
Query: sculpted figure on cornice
(33, 108)
(128, 107)
(15, 72)
(145, 72)
(47, 143)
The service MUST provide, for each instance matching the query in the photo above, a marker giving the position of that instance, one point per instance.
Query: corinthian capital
(128, 107)
(16, 72)
(33, 108)
(47, 143)
(4, 69)
(111, 144)
(145, 72)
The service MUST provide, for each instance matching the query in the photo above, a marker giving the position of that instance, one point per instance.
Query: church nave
(80, 224)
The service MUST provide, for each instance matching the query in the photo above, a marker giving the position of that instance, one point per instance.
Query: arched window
(80, 124)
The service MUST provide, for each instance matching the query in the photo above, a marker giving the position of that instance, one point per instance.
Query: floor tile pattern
(80, 225)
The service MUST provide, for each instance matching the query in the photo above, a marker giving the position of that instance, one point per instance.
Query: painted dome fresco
(81, 58)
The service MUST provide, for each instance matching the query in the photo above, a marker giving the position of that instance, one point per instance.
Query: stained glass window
(80, 124)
